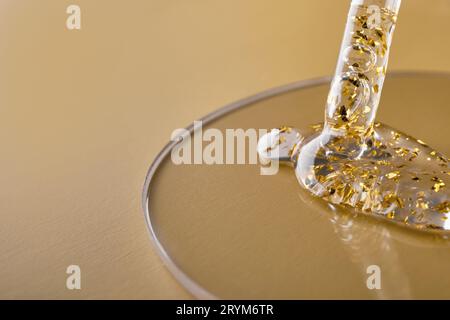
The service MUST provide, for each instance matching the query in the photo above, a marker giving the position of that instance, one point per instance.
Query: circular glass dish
(225, 231)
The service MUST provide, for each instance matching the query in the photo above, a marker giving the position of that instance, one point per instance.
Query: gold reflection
(369, 242)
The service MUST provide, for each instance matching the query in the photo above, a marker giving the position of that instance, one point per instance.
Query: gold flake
(438, 184)
(421, 142)
(285, 129)
(443, 207)
(317, 127)
(441, 158)
(395, 135)
(422, 204)
(393, 175)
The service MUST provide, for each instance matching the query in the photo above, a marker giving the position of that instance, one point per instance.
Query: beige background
(84, 113)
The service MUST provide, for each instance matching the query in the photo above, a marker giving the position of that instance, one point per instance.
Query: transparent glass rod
(356, 88)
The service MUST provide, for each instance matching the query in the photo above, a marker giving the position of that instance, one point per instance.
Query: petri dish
(226, 231)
